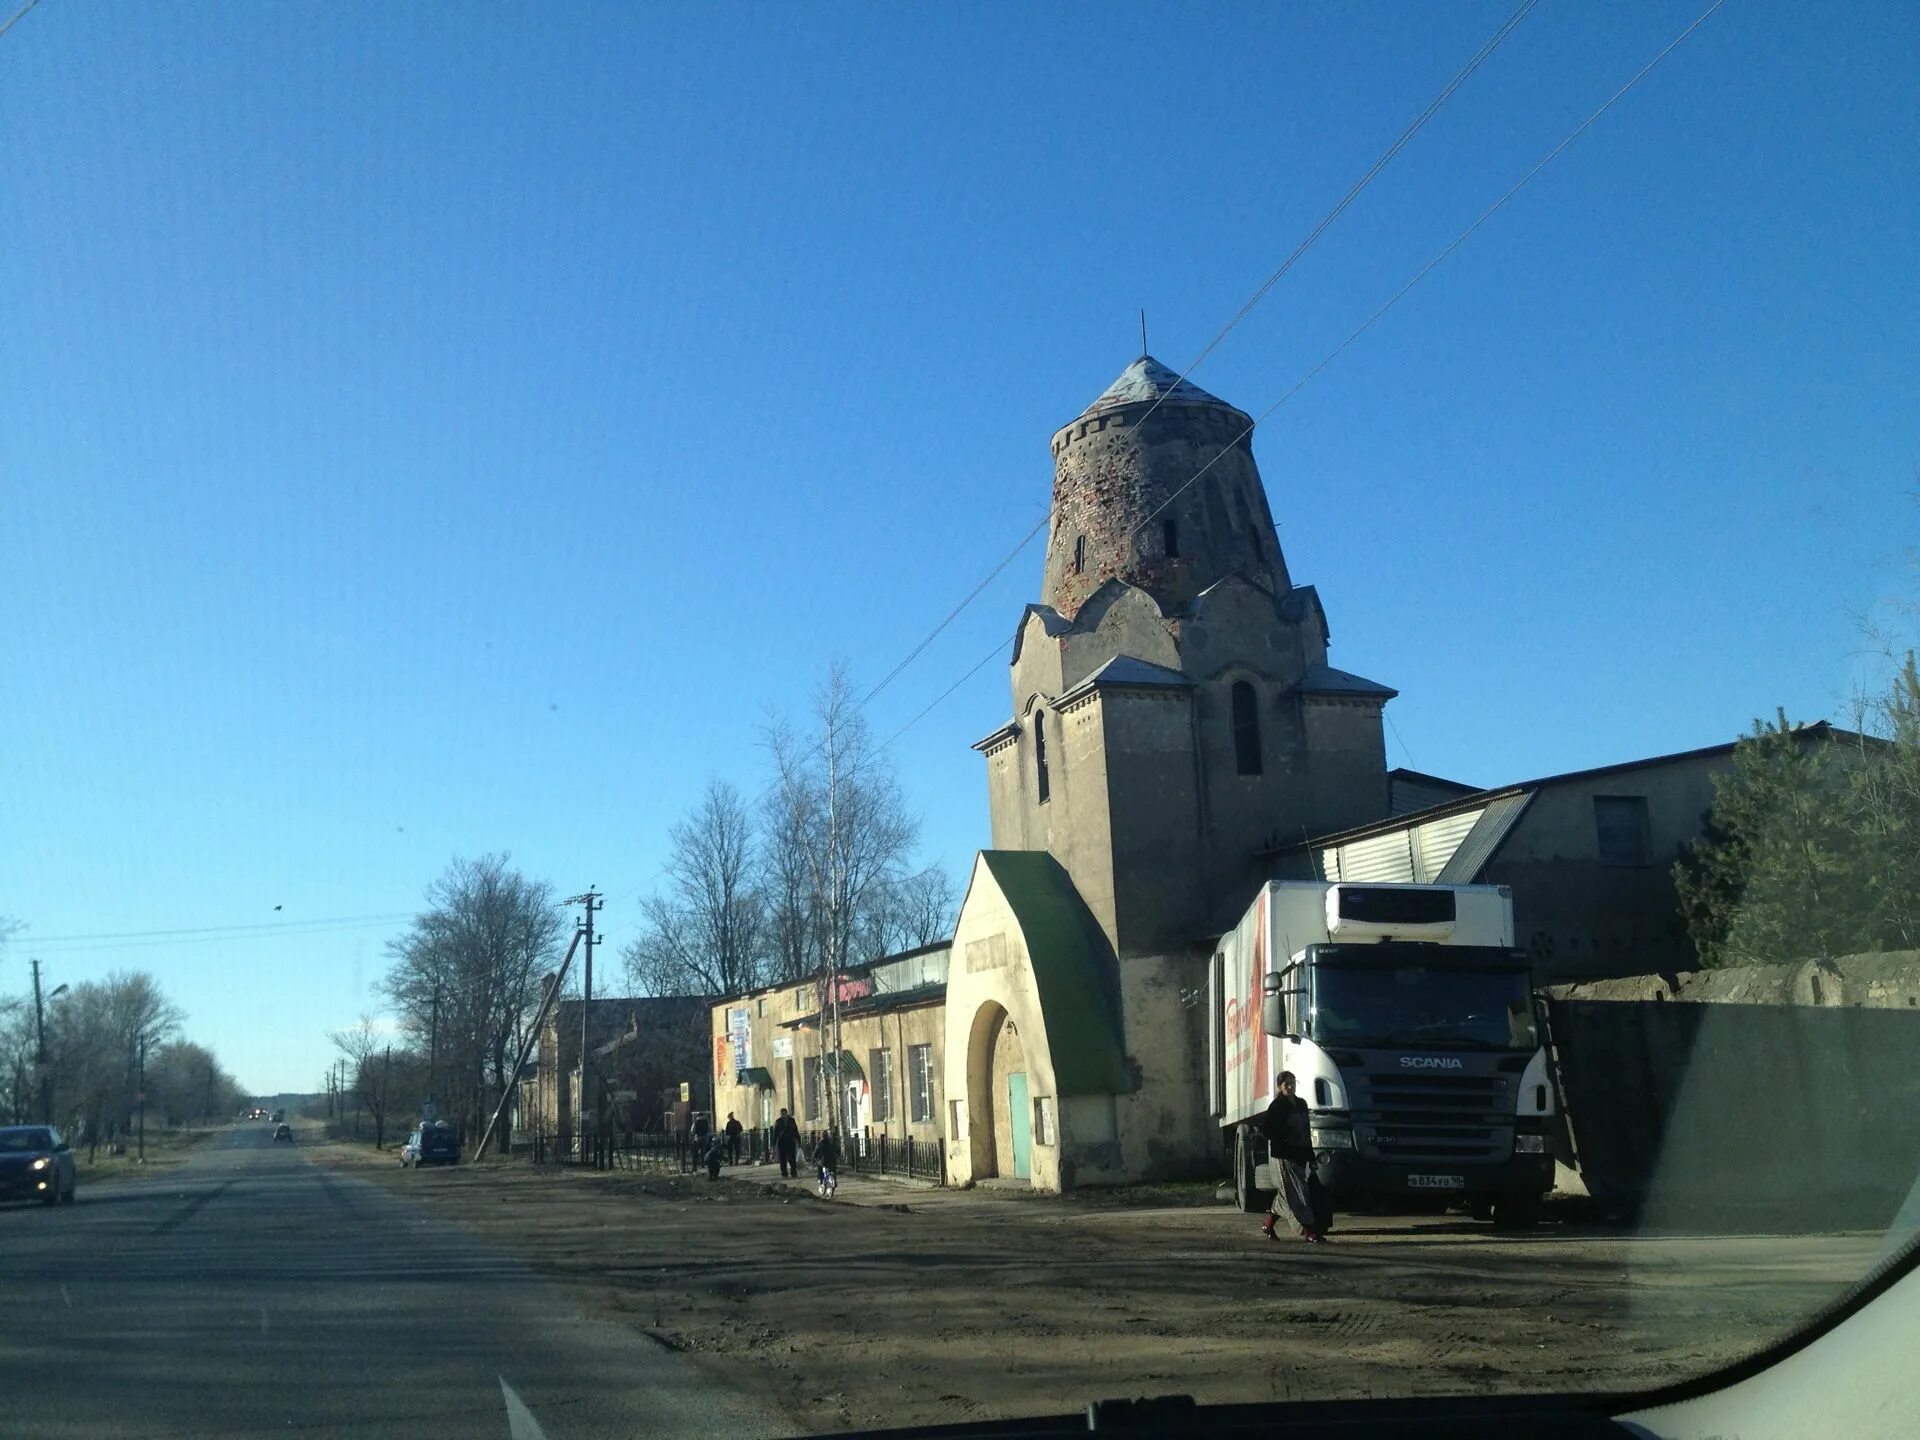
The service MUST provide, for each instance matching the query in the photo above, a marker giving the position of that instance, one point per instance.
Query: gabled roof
(1818, 730)
(1130, 673)
(1325, 680)
(1052, 622)
(1147, 380)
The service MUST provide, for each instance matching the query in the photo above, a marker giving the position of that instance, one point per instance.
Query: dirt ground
(892, 1305)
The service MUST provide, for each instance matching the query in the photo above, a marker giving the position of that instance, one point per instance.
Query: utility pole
(40, 1044)
(140, 1094)
(589, 903)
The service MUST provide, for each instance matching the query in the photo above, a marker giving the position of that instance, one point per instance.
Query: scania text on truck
(1407, 1018)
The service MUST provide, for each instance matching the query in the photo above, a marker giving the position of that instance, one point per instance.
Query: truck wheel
(1516, 1212)
(1481, 1208)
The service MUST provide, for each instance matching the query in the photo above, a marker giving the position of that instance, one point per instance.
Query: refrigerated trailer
(1408, 1020)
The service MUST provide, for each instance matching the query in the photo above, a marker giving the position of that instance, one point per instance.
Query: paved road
(249, 1292)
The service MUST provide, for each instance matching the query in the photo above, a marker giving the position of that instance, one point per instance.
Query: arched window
(1040, 755)
(1079, 553)
(1170, 535)
(1246, 729)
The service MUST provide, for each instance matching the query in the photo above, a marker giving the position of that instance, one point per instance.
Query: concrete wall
(1793, 1088)
(1165, 1131)
(1157, 841)
(1582, 919)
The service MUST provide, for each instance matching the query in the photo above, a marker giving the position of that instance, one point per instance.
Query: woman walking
(1290, 1138)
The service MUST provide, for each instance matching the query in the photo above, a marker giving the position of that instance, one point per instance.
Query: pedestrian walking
(734, 1129)
(786, 1145)
(1289, 1132)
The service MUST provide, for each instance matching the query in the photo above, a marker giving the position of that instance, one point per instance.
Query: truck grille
(1431, 1118)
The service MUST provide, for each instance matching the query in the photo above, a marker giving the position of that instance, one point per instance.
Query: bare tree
(703, 934)
(838, 835)
(369, 1057)
(94, 1037)
(919, 910)
(476, 954)
(787, 874)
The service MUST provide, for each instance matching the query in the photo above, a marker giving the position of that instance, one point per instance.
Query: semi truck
(1407, 1018)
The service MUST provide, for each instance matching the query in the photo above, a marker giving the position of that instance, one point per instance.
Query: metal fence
(678, 1153)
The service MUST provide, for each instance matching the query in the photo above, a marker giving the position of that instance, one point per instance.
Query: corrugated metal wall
(1415, 855)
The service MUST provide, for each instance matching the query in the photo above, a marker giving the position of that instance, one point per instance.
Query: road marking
(520, 1422)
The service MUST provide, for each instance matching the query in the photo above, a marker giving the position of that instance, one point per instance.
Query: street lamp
(40, 1043)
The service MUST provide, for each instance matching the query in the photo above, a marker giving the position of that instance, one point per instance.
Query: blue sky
(427, 431)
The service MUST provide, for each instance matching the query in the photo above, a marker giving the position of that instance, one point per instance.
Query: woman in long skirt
(1290, 1138)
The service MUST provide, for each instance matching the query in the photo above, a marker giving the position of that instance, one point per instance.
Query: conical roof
(1147, 380)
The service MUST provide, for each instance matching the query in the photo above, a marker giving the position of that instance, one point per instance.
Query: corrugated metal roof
(1494, 824)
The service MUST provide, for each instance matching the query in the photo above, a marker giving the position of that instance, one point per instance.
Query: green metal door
(1021, 1116)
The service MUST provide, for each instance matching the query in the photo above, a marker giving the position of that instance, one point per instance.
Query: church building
(1174, 721)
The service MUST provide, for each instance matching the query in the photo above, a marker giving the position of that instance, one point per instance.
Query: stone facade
(766, 1049)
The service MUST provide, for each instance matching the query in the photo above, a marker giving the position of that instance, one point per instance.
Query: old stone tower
(1174, 714)
(1174, 718)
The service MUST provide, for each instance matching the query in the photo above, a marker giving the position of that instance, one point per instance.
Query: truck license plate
(1436, 1182)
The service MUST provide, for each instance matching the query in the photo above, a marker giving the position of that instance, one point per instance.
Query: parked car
(433, 1142)
(283, 1132)
(36, 1163)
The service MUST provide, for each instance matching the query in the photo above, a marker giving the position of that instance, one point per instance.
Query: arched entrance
(999, 1103)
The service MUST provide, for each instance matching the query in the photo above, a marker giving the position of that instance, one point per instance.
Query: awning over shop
(849, 1068)
(755, 1076)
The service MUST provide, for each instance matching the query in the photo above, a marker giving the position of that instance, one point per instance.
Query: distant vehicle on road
(36, 1163)
(283, 1132)
(433, 1142)
(278, 1116)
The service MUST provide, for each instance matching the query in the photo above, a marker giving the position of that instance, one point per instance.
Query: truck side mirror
(1273, 1019)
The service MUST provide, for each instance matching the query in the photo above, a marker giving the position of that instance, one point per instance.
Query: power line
(140, 939)
(1366, 325)
(15, 20)
(1434, 263)
(1413, 128)
(1419, 121)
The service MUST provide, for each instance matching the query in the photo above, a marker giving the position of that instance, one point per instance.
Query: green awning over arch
(1072, 971)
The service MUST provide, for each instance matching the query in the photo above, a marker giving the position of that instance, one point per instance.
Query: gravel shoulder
(894, 1306)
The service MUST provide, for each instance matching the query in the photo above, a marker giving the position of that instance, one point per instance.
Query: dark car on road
(35, 1164)
(283, 1132)
(433, 1142)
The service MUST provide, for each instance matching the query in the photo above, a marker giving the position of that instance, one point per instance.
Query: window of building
(1620, 827)
(1044, 1131)
(880, 1067)
(810, 1068)
(760, 1006)
(1079, 554)
(1170, 536)
(1246, 729)
(1041, 784)
(920, 1077)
